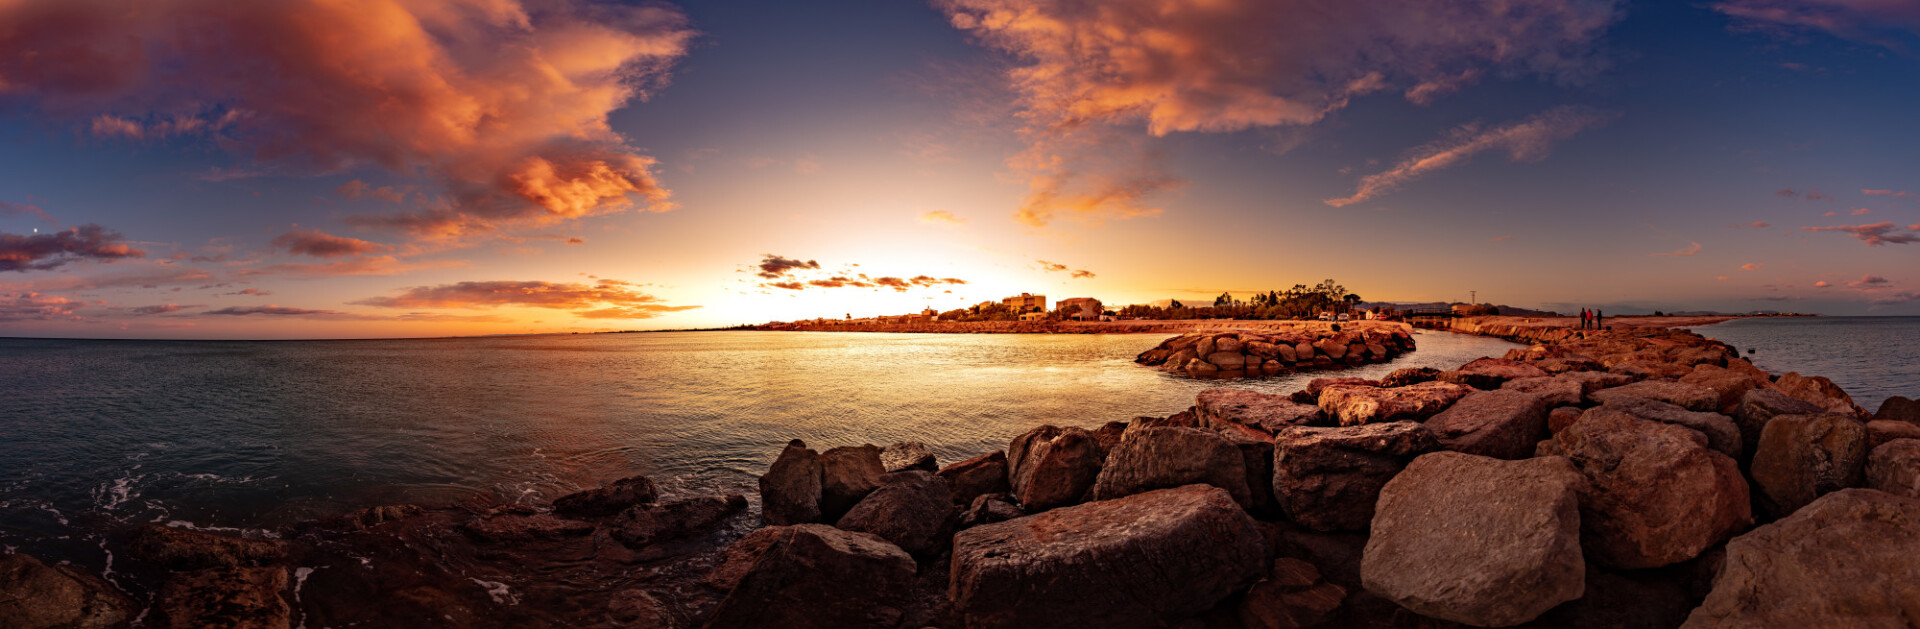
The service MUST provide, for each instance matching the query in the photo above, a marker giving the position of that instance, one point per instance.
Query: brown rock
(1251, 408)
(990, 508)
(1160, 458)
(1303, 351)
(912, 508)
(1591, 381)
(1256, 455)
(1845, 560)
(1759, 406)
(908, 455)
(984, 474)
(1802, 457)
(1332, 349)
(1227, 343)
(1328, 478)
(1292, 596)
(1555, 391)
(790, 490)
(1490, 373)
(1899, 409)
(1818, 391)
(1656, 494)
(1200, 368)
(1881, 431)
(847, 474)
(1108, 434)
(607, 499)
(1691, 397)
(34, 595)
(1478, 540)
(1645, 369)
(1361, 404)
(1560, 418)
(1052, 466)
(1503, 424)
(1731, 384)
(650, 523)
(637, 608)
(1721, 433)
(812, 575)
(1205, 347)
(1145, 560)
(1410, 375)
(1228, 361)
(523, 527)
(228, 597)
(181, 549)
(1895, 468)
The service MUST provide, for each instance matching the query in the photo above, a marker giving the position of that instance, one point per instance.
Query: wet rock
(1555, 391)
(1818, 391)
(1503, 424)
(1881, 431)
(1410, 375)
(1691, 397)
(990, 508)
(1108, 434)
(646, 524)
(1845, 560)
(374, 516)
(1895, 468)
(181, 549)
(1361, 404)
(1560, 418)
(1721, 433)
(1052, 466)
(847, 474)
(1490, 373)
(1656, 494)
(1759, 406)
(1250, 408)
(1291, 596)
(984, 474)
(1160, 458)
(34, 595)
(1329, 478)
(1506, 532)
(912, 508)
(230, 598)
(521, 527)
(790, 490)
(608, 499)
(812, 575)
(1898, 408)
(637, 608)
(1140, 561)
(1802, 457)
(1200, 368)
(908, 455)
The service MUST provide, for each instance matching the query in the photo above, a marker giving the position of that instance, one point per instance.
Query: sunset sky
(371, 168)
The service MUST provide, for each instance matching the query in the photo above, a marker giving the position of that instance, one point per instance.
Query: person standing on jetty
(1583, 318)
(1596, 320)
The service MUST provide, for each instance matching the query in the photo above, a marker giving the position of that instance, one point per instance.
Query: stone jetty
(1245, 353)
(1634, 477)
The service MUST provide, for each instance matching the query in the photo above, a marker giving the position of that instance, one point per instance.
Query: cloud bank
(604, 299)
(39, 252)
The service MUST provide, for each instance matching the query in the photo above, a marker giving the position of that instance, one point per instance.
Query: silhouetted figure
(1596, 320)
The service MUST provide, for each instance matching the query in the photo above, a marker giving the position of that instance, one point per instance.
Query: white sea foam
(502, 595)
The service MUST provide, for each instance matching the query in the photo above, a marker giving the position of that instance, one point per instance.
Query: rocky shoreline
(1639, 477)
(1246, 354)
(1079, 327)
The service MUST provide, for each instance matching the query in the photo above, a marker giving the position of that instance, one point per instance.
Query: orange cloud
(604, 299)
(357, 189)
(1525, 141)
(37, 307)
(1874, 235)
(1750, 266)
(1869, 281)
(941, 217)
(1052, 267)
(39, 252)
(313, 242)
(1692, 248)
(1862, 212)
(1231, 65)
(19, 209)
(1889, 193)
(772, 266)
(373, 265)
(504, 102)
(1821, 284)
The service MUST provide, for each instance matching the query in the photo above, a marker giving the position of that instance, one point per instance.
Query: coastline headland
(1274, 350)
(1156, 326)
(1634, 476)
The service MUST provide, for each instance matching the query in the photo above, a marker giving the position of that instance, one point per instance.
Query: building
(1025, 302)
(1034, 316)
(1082, 308)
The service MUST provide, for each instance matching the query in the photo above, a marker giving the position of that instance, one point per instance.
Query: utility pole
(1473, 297)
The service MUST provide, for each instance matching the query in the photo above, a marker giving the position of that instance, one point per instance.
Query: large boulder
(1845, 560)
(1759, 406)
(1356, 404)
(1490, 373)
(847, 474)
(1328, 478)
(1052, 466)
(1503, 424)
(1895, 468)
(1721, 433)
(912, 508)
(607, 499)
(790, 490)
(1691, 397)
(1818, 391)
(230, 597)
(1556, 390)
(1478, 540)
(1802, 457)
(811, 575)
(1251, 408)
(1292, 595)
(646, 524)
(511, 526)
(1730, 384)
(1881, 431)
(980, 475)
(1898, 408)
(1656, 494)
(1159, 458)
(1146, 560)
(1409, 375)
(908, 455)
(34, 595)
(1591, 381)
(181, 549)
(988, 509)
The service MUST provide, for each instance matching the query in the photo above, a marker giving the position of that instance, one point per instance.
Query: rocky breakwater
(1249, 353)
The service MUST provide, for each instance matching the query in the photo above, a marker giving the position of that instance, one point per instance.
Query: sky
(410, 168)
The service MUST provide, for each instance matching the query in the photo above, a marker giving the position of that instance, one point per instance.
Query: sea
(1871, 358)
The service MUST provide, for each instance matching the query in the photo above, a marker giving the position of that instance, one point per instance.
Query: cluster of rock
(1255, 353)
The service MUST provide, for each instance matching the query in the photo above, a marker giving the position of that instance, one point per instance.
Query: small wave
(244, 532)
(118, 491)
(502, 595)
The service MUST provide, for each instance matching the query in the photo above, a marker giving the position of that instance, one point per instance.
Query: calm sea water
(101, 434)
(1872, 358)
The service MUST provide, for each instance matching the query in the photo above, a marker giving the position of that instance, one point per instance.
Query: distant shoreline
(1217, 325)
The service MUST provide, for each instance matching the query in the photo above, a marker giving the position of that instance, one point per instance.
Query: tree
(1225, 299)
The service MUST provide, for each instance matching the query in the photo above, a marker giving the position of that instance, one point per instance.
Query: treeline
(1300, 302)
